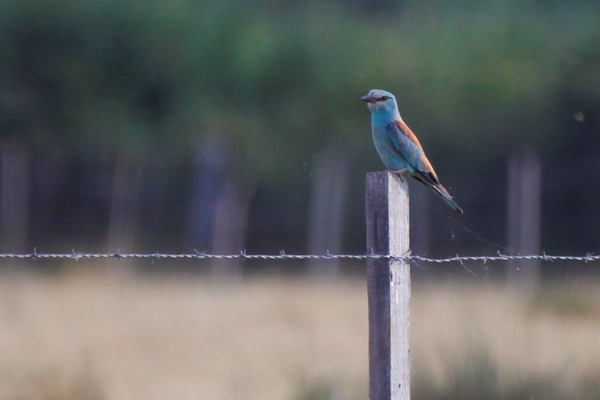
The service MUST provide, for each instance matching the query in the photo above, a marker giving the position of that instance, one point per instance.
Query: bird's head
(382, 102)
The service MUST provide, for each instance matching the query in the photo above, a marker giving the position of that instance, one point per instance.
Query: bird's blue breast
(391, 157)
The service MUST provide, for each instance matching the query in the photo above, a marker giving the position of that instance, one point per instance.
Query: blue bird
(398, 146)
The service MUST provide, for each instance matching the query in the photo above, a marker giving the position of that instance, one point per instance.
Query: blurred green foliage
(278, 81)
(266, 76)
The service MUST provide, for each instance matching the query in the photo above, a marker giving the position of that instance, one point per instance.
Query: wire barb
(75, 256)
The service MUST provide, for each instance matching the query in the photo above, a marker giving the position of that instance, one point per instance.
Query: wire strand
(283, 256)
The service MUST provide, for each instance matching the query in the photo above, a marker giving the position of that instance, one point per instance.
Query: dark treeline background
(176, 125)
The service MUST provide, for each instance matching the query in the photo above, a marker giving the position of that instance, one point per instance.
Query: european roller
(398, 146)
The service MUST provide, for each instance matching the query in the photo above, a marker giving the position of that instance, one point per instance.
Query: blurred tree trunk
(327, 202)
(218, 207)
(524, 211)
(420, 223)
(210, 160)
(14, 216)
(94, 182)
(14, 197)
(123, 218)
(47, 207)
(231, 222)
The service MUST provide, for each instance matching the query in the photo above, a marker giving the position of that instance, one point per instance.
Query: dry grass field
(82, 336)
(489, 342)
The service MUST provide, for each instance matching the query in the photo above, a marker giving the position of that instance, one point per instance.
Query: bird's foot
(401, 172)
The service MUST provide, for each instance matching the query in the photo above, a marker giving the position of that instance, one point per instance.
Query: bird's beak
(368, 98)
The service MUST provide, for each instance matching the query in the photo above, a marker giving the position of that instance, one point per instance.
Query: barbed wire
(590, 257)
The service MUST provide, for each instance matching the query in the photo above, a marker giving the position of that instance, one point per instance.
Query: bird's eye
(383, 98)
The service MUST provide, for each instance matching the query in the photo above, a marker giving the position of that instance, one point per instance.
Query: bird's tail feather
(432, 182)
(443, 193)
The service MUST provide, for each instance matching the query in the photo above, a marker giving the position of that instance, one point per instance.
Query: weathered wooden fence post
(388, 283)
